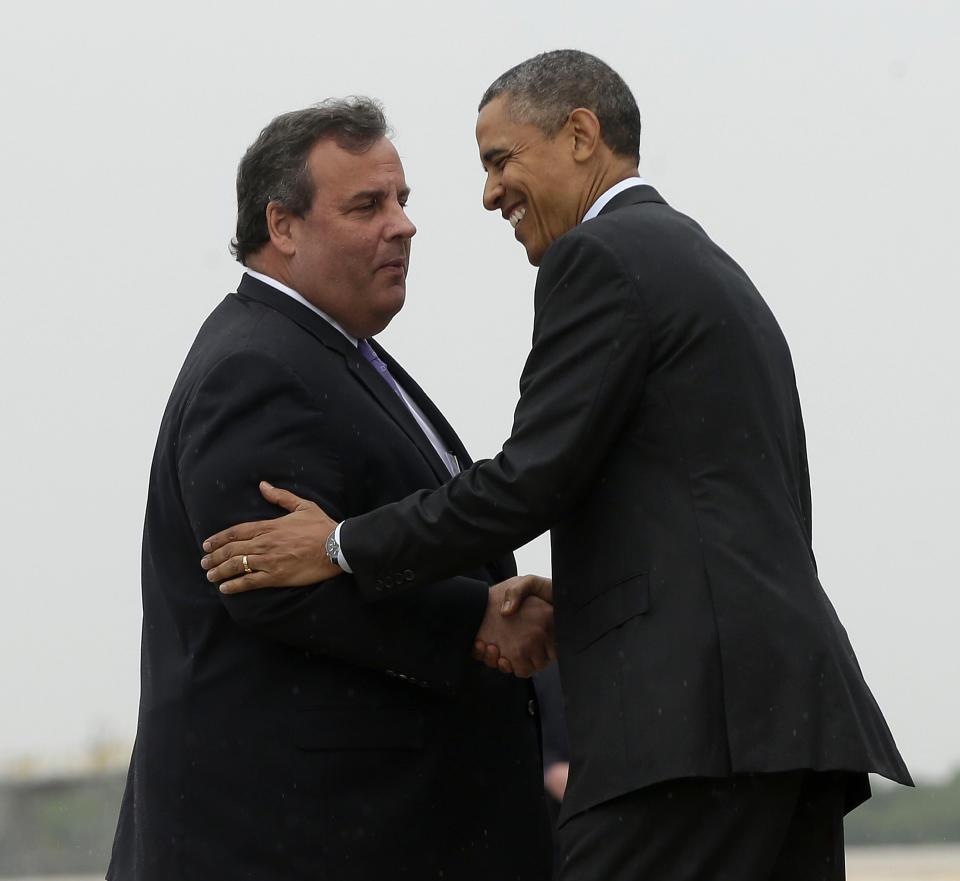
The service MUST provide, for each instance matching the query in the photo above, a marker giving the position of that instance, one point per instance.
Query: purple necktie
(367, 351)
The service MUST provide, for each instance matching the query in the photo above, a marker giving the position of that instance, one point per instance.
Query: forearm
(425, 637)
(588, 353)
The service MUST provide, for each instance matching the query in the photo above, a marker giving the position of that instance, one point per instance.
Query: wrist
(335, 551)
(332, 548)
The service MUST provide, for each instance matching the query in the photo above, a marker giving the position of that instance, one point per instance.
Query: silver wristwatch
(333, 548)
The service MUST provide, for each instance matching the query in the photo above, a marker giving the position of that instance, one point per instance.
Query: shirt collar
(290, 292)
(605, 197)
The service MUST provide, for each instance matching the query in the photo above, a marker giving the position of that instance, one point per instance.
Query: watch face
(333, 549)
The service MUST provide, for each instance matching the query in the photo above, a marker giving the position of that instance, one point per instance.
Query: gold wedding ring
(246, 565)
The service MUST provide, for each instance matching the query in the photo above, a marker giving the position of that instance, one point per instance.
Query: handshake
(516, 634)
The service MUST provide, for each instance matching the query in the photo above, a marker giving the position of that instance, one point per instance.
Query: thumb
(517, 589)
(515, 592)
(284, 498)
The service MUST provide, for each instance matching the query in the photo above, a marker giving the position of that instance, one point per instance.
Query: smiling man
(719, 724)
(307, 734)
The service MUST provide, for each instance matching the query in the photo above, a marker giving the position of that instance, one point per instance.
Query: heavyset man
(309, 734)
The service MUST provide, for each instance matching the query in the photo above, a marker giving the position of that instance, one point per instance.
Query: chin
(535, 249)
(384, 316)
(534, 256)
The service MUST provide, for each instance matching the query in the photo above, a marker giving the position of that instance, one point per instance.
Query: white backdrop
(818, 142)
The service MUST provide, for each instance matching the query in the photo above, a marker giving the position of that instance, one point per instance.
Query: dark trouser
(748, 827)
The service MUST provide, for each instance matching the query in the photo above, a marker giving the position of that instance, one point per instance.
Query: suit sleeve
(252, 418)
(587, 362)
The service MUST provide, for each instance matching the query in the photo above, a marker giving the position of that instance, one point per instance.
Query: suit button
(387, 581)
(379, 585)
(531, 707)
(408, 574)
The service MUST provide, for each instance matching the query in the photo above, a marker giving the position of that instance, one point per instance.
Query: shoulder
(243, 330)
(643, 240)
(245, 347)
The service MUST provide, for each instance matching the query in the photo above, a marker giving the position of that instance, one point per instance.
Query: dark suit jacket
(288, 734)
(659, 437)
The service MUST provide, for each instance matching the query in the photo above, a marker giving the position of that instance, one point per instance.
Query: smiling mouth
(517, 216)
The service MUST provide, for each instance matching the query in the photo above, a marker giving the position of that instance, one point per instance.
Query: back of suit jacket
(659, 437)
(307, 733)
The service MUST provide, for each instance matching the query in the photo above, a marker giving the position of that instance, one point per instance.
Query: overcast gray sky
(816, 141)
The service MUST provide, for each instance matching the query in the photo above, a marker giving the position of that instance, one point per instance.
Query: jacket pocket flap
(609, 609)
(359, 728)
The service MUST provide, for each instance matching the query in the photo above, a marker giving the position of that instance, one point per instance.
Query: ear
(281, 229)
(584, 128)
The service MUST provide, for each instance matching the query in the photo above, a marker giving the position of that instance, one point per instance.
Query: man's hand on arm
(289, 551)
(519, 641)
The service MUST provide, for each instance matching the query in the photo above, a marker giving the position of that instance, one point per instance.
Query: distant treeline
(66, 826)
(55, 827)
(929, 814)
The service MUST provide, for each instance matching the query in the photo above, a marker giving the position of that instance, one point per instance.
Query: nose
(492, 192)
(400, 225)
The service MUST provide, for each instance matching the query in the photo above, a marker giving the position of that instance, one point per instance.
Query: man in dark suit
(719, 724)
(310, 734)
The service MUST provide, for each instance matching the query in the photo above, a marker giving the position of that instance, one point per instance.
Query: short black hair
(543, 90)
(274, 168)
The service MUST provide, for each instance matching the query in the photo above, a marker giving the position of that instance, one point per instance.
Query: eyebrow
(364, 195)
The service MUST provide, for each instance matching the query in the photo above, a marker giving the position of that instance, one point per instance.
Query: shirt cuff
(341, 559)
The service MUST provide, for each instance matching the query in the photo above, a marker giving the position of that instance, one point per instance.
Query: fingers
(245, 531)
(253, 581)
(283, 497)
(523, 666)
(486, 653)
(240, 532)
(232, 567)
(222, 563)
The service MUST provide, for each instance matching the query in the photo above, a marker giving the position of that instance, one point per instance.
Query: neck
(605, 177)
(265, 262)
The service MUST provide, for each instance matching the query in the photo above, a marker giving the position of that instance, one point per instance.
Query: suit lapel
(438, 420)
(364, 372)
(409, 424)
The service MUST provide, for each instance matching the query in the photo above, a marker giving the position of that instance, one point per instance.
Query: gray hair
(274, 168)
(543, 90)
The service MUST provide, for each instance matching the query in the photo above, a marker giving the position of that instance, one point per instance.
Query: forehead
(498, 131)
(338, 172)
(496, 125)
